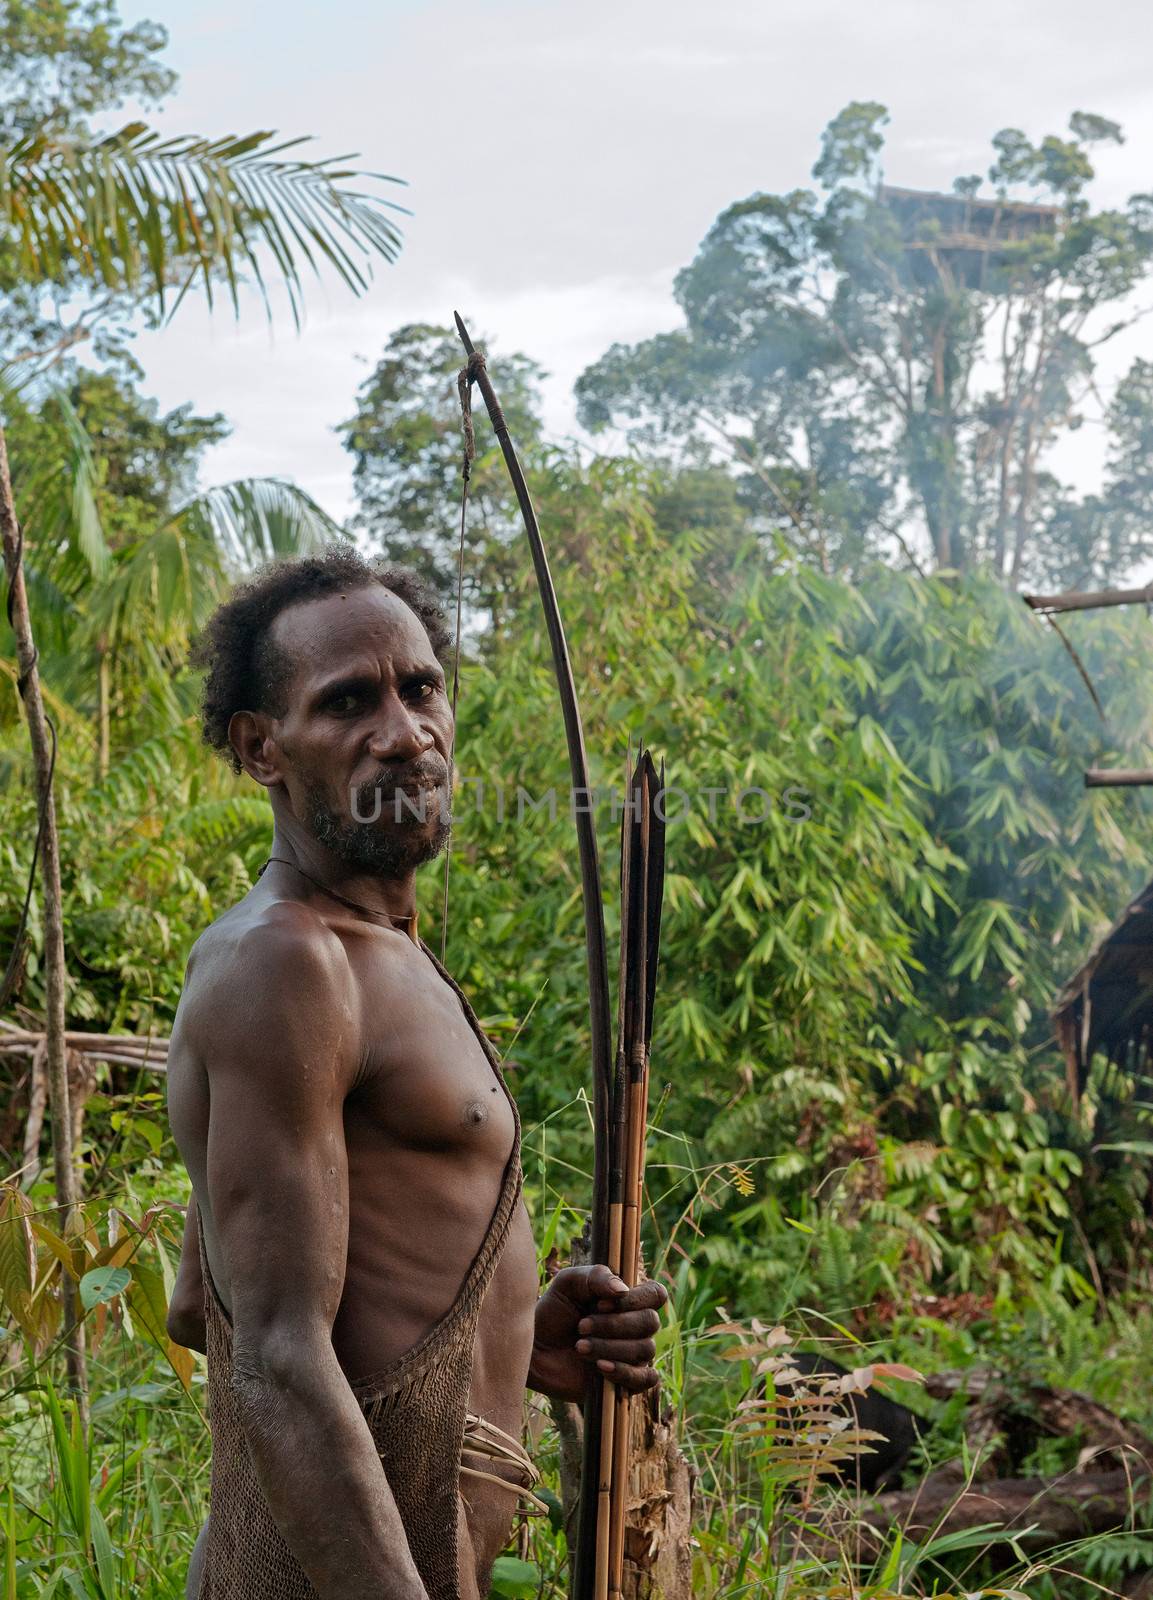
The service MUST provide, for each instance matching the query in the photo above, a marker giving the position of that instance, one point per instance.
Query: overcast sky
(565, 157)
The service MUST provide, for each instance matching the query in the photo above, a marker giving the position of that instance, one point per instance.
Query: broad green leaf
(17, 1259)
(103, 1284)
(515, 1579)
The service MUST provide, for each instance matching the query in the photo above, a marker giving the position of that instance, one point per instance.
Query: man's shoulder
(261, 958)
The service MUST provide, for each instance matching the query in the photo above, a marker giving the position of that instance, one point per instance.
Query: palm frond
(253, 520)
(163, 586)
(56, 491)
(166, 585)
(67, 515)
(135, 207)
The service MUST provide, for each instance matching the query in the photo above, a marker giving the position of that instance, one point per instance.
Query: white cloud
(284, 393)
(564, 160)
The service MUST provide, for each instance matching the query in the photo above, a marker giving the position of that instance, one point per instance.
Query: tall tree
(406, 443)
(889, 372)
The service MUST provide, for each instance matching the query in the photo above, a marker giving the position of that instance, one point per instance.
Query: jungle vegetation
(796, 575)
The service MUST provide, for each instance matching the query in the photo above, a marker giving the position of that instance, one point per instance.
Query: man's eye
(344, 705)
(423, 688)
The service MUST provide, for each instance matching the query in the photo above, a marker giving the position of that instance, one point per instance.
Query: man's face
(365, 741)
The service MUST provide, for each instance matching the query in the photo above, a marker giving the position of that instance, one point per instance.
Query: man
(358, 1261)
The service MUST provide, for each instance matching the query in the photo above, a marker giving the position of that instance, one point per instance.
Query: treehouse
(1107, 1005)
(964, 240)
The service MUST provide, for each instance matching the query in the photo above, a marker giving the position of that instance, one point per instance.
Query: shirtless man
(351, 1145)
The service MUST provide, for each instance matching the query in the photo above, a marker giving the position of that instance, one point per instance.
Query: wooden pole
(65, 1171)
(1118, 777)
(1076, 600)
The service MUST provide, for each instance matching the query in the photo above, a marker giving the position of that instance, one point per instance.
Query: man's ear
(250, 735)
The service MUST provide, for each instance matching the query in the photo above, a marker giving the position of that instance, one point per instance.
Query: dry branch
(130, 1050)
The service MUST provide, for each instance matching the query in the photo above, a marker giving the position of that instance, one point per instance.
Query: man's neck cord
(402, 924)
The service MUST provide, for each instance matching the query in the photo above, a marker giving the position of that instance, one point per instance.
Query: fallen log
(1019, 1416)
(1040, 1511)
(1001, 1429)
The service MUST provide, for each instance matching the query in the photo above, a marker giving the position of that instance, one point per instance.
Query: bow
(618, 1139)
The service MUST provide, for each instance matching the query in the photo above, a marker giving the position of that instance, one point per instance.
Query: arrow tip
(463, 331)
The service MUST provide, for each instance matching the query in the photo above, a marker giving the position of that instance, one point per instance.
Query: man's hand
(589, 1320)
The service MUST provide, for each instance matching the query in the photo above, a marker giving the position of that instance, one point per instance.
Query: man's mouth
(380, 794)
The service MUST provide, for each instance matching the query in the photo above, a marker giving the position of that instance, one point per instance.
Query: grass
(115, 1516)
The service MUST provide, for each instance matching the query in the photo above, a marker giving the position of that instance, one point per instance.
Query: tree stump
(659, 1522)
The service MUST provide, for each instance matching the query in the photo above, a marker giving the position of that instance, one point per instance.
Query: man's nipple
(475, 1113)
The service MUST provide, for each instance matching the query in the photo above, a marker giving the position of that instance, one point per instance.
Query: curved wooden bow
(600, 1023)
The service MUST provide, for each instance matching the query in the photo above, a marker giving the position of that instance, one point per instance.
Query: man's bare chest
(426, 1082)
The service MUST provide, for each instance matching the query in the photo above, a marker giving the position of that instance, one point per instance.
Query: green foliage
(882, 864)
(63, 60)
(881, 858)
(407, 446)
(855, 988)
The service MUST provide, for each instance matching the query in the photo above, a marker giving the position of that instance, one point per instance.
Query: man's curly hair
(247, 672)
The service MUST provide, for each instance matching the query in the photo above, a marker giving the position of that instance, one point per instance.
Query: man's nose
(398, 734)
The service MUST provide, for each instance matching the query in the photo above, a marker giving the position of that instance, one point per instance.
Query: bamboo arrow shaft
(642, 868)
(620, 1084)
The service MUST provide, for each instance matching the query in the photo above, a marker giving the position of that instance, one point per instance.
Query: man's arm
(281, 1060)
(186, 1308)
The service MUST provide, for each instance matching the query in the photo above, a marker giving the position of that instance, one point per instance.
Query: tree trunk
(1024, 503)
(81, 1088)
(570, 1428)
(66, 1175)
(37, 1105)
(103, 714)
(1001, 528)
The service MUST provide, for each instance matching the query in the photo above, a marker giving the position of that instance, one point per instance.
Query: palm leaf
(254, 520)
(61, 514)
(57, 491)
(135, 207)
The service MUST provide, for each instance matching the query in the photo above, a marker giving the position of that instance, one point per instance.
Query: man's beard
(387, 852)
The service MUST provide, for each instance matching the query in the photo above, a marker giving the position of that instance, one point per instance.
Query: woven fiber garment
(416, 1410)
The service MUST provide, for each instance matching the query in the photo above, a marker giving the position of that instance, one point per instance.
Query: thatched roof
(1107, 1005)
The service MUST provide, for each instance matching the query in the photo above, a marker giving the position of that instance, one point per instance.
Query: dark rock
(880, 1467)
